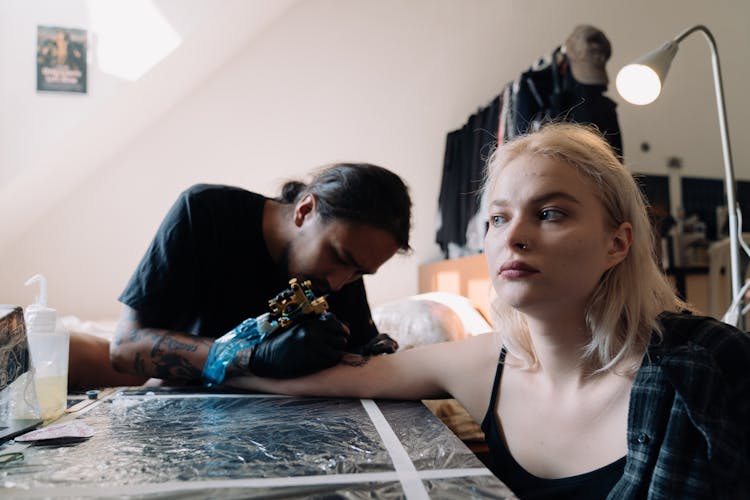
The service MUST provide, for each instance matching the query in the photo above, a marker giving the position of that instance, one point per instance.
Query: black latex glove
(382, 343)
(310, 346)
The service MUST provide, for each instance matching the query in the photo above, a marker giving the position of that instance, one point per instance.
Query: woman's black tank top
(591, 485)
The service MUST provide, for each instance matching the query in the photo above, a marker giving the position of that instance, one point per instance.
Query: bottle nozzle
(41, 299)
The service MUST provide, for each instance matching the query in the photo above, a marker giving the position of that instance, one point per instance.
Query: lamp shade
(640, 82)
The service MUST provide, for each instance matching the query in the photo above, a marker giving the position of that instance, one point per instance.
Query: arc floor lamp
(641, 82)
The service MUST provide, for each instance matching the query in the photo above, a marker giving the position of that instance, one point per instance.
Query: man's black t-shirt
(208, 269)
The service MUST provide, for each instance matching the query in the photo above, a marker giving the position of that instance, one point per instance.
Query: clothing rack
(546, 91)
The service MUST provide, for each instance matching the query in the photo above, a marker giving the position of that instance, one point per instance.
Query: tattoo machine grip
(286, 309)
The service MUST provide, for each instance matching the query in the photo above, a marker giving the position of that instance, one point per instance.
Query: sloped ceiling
(37, 179)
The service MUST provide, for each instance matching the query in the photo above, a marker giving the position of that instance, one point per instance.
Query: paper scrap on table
(69, 432)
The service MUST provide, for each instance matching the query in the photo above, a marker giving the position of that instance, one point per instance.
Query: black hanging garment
(548, 91)
(466, 152)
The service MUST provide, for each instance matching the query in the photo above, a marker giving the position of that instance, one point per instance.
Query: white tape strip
(207, 395)
(454, 473)
(185, 486)
(407, 474)
(176, 487)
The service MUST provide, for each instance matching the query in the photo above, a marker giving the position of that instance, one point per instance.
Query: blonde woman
(597, 382)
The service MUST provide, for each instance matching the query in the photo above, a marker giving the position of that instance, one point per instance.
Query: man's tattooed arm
(157, 352)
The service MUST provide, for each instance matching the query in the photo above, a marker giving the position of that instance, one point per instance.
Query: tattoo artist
(222, 252)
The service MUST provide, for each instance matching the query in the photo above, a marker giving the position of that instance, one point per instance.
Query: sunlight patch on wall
(130, 37)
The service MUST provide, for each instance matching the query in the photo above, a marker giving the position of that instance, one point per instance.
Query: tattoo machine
(286, 309)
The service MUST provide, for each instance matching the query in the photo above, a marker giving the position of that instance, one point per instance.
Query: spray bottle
(48, 345)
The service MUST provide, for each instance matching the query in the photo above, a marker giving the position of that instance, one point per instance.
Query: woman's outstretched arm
(408, 374)
(461, 369)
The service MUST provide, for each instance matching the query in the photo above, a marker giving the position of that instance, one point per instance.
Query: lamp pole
(729, 180)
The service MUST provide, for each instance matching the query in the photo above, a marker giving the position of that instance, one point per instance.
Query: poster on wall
(61, 59)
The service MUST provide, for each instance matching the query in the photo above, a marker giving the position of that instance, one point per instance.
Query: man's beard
(284, 265)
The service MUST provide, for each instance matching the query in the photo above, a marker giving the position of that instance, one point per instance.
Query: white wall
(376, 81)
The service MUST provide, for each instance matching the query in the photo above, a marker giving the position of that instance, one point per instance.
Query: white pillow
(418, 322)
(473, 321)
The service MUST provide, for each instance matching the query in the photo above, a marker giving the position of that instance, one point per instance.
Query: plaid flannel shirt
(689, 415)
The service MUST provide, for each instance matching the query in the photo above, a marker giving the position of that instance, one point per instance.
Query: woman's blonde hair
(622, 311)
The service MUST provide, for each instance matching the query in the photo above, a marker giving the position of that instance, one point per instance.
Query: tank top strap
(493, 396)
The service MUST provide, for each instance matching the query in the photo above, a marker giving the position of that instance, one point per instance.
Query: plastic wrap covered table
(197, 444)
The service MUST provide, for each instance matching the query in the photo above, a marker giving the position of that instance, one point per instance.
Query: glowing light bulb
(638, 84)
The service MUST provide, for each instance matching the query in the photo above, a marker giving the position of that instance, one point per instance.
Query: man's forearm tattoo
(174, 366)
(139, 364)
(171, 343)
(167, 361)
(163, 359)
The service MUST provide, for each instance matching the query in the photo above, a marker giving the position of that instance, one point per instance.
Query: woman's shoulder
(685, 328)
(689, 340)
(467, 368)
(470, 351)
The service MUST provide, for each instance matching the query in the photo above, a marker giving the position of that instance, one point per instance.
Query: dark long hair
(359, 192)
